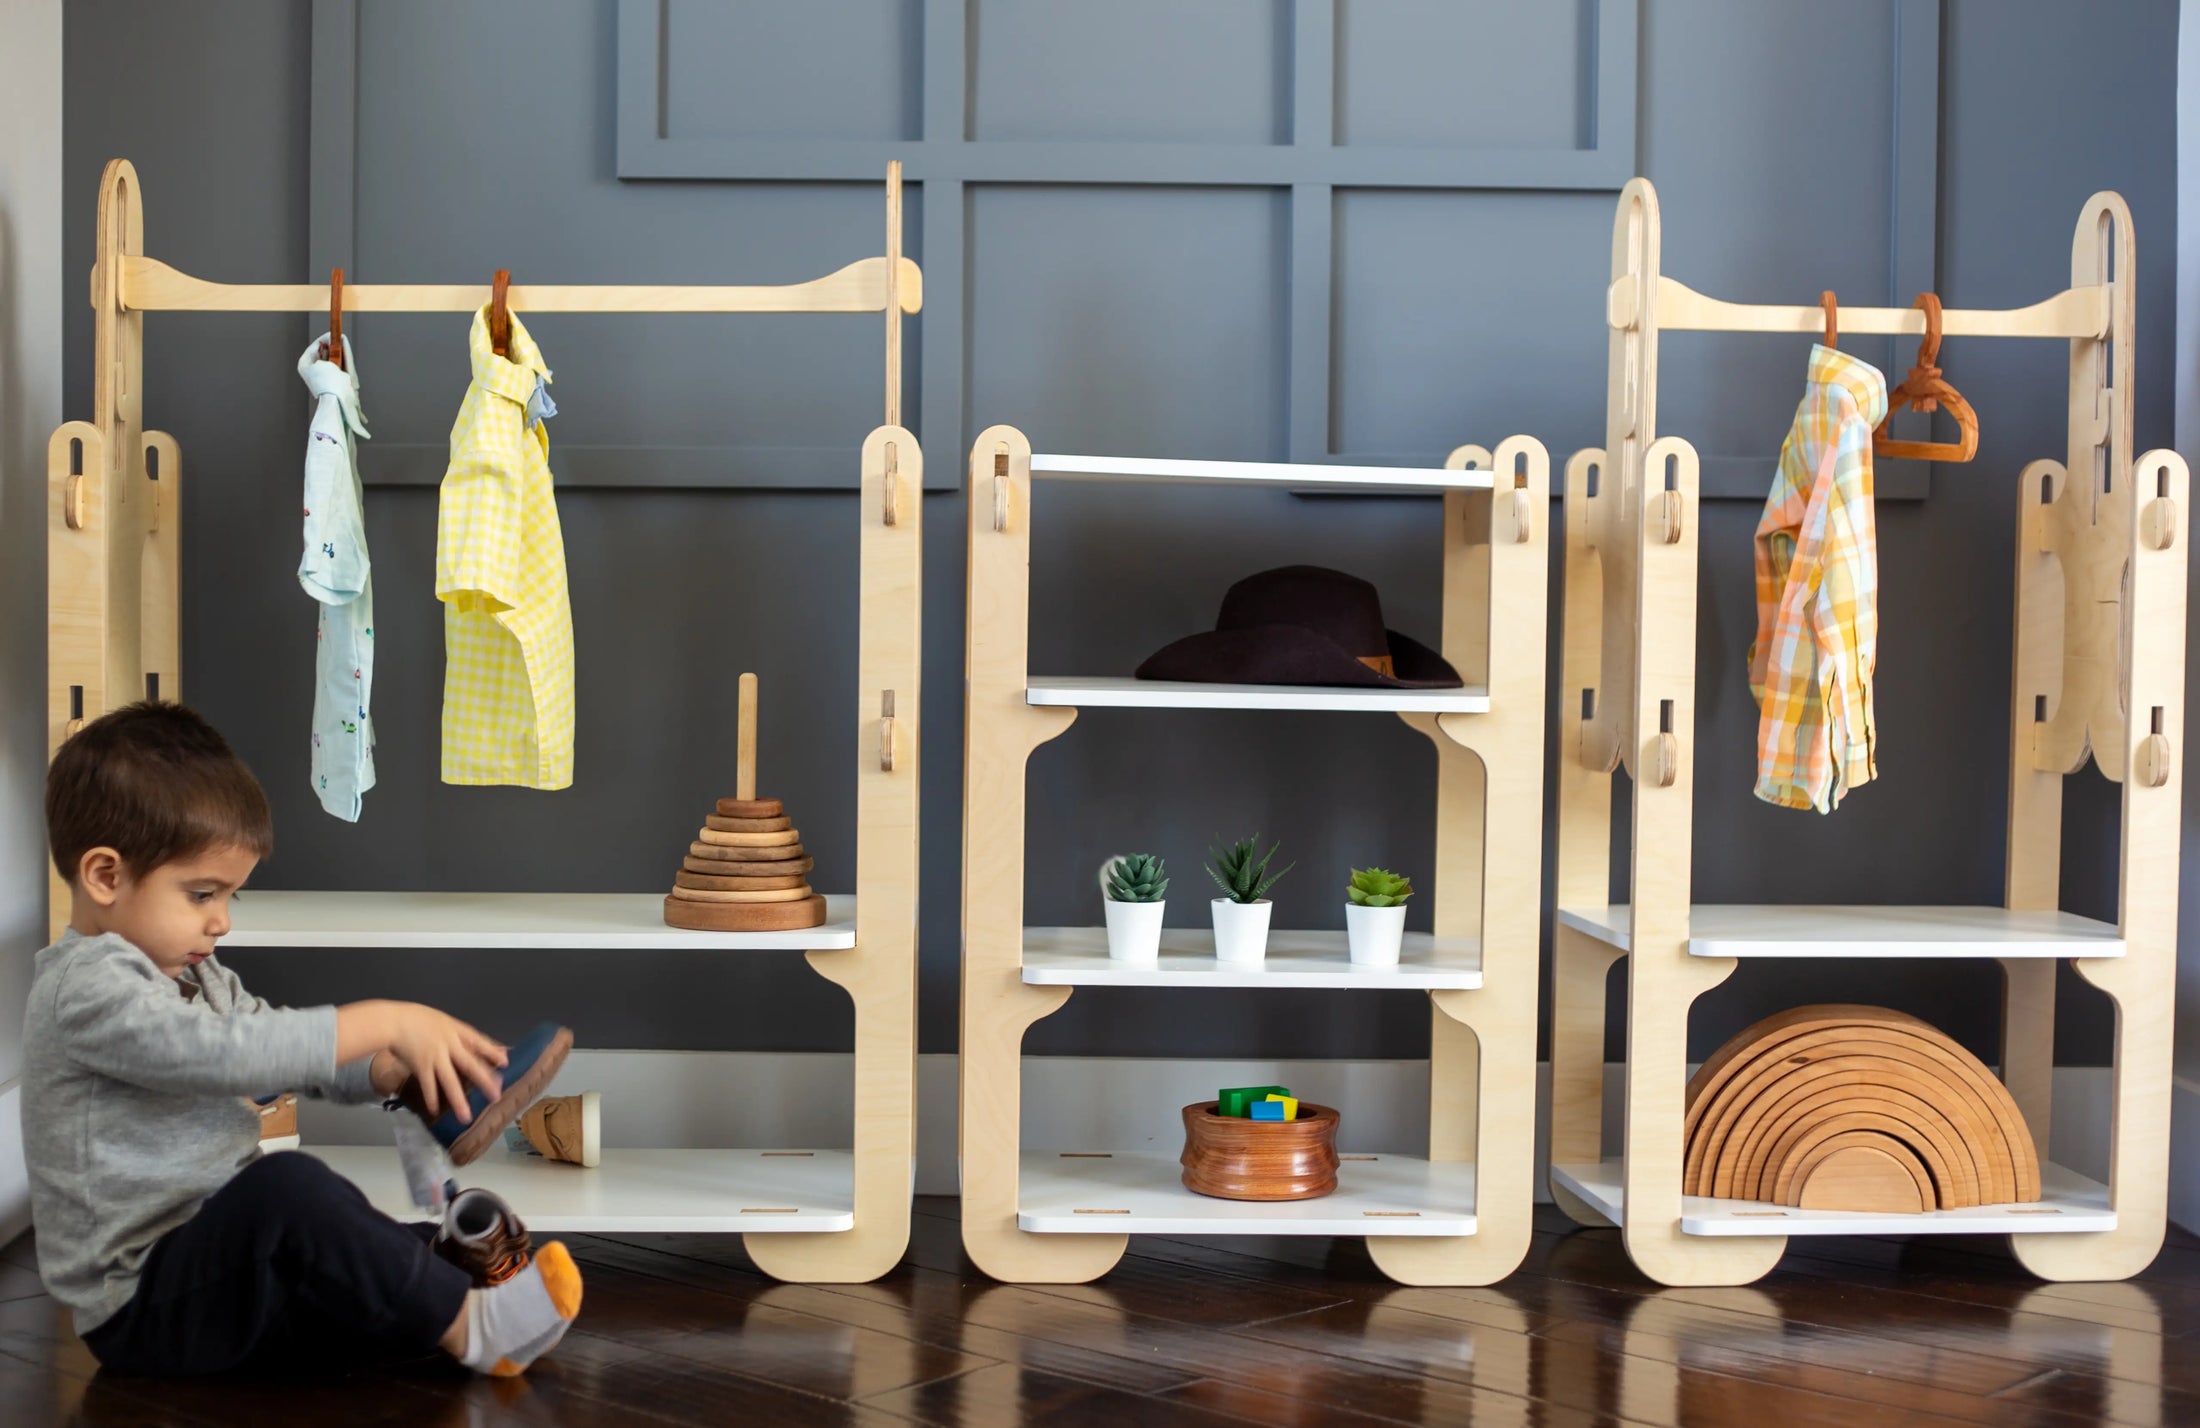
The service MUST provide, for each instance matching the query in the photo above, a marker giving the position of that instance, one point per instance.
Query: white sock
(510, 1325)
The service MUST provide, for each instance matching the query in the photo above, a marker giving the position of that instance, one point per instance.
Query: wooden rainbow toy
(1854, 1108)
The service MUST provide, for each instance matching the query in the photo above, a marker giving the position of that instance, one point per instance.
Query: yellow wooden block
(1290, 1105)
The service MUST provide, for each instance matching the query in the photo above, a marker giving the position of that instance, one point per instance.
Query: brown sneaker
(482, 1236)
(279, 1123)
(567, 1128)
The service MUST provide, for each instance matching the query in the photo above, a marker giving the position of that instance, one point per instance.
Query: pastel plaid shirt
(1818, 593)
(500, 573)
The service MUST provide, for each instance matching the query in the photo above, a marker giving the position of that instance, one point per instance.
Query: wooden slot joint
(75, 453)
(1000, 487)
(1523, 512)
(2158, 523)
(886, 731)
(890, 511)
(1664, 762)
(1665, 514)
(2154, 759)
(1622, 303)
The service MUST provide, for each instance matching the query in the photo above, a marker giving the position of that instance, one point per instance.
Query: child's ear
(99, 873)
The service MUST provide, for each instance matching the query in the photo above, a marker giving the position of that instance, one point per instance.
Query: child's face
(175, 913)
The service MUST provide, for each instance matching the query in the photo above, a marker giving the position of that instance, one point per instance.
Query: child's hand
(443, 1054)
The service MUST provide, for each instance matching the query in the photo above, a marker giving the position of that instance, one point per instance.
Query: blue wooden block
(1267, 1110)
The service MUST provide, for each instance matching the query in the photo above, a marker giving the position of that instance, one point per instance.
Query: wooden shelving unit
(1461, 1213)
(114, 562)
(2100, 620)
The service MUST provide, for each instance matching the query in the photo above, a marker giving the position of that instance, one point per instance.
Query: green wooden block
(1238, 1100)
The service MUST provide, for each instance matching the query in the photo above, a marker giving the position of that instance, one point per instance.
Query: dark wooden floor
(681, 1329)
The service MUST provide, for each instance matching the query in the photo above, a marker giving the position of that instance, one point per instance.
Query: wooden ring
(746, 867)
(718, 824)
(744, 916)
(712, 882)
(793, 894)
(780, 839)
(749, 808)
(745, 855)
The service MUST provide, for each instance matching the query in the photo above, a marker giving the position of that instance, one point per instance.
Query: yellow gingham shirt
(500, 573)
(1818, 593)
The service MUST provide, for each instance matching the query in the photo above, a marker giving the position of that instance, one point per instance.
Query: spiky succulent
(1135, 877)
(1378, 887)
(1241, 869)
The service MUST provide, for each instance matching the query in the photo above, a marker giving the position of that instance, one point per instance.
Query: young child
(181, 1248)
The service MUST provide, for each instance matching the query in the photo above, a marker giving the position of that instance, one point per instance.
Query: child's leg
(288, 1243)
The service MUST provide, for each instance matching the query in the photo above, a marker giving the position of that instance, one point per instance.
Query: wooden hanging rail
(2071, 313)
(149, 285)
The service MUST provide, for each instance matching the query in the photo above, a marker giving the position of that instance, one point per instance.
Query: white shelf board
(1773, 930)
(1124, 692)
(704, 1191)
(541, 920)
(2069, 1204)
(1078, 957)
(1144, 1195)
(1374, 480)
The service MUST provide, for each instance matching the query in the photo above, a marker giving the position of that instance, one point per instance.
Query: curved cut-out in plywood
(1854, 1108)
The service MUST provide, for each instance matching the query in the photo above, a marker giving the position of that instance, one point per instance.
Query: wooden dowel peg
(2153, 761)
(2158, 523)
(891, 515)
(1000, 489)
(500, 312)
(744, 741)
(886, 733)
(335, 348)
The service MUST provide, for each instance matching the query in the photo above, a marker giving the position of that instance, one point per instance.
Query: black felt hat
(1302, 624)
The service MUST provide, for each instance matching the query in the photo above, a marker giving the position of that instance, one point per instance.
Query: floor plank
(684, 1330)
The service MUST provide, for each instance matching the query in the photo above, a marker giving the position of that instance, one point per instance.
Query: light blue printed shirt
(335, 572)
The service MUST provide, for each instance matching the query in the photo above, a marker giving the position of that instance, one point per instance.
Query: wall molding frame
(946, 162)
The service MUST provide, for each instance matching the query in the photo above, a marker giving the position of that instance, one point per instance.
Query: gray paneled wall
(1241, 229)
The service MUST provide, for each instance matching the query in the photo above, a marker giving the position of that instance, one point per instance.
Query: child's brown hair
(155, 782)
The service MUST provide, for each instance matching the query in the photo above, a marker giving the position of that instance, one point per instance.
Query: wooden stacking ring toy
(745, 871)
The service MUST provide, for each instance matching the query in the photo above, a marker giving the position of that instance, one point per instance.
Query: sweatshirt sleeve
(129, 1023)
(350, 1085)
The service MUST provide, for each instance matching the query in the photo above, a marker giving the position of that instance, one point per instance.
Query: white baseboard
(2184, 1154)
(697, 1098)
(15, 1178)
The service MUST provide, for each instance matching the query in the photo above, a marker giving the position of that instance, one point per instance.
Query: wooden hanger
(500, 312)
(1924, 390)
(1833, 333)
(335, 348)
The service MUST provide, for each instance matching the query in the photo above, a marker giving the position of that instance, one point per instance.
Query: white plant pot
(1241, 930)
(1374, 934)
(1134, 931)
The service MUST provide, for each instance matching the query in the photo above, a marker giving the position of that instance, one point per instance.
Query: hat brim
(1293, 654)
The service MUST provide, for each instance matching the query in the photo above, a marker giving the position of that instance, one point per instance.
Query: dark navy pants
(286, 1266)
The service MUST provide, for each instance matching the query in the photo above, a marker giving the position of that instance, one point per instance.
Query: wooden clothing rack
(2092, 642)
(1459, 1214)
(113, 569)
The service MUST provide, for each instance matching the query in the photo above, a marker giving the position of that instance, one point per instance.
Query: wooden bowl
(1233, 1159)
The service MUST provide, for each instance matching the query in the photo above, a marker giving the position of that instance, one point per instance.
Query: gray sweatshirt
(133, 1109)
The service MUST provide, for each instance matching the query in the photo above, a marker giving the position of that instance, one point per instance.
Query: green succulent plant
(1378, 887)
(1135, 877)
(1241, 869)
